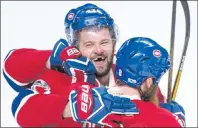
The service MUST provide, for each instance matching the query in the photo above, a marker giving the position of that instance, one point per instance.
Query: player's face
(98, 46)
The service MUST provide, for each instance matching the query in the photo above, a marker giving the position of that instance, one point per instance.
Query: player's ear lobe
(149, 82)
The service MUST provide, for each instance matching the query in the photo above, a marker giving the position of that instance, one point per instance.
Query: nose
(98, 50)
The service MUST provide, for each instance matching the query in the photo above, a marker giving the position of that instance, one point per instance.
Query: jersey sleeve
(31, 109)
(43, 103)
(22, 66)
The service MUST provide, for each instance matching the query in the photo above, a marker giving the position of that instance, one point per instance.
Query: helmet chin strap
(145, 96)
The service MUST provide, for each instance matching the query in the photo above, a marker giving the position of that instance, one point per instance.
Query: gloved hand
(68, 59)
(97, 106)
(176, 109)
(54, 61)
(81, 69)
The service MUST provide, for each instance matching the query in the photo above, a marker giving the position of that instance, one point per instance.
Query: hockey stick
(170, 73)
(187, 36)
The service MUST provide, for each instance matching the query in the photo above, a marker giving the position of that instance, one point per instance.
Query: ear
(149, 82)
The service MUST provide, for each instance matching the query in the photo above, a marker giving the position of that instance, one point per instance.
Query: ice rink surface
(40, 24)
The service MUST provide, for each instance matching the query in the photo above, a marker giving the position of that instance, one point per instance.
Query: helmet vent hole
(132, 54)
(144, 59)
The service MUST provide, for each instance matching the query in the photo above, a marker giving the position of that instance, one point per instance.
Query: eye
(104, 42)
(88, 45)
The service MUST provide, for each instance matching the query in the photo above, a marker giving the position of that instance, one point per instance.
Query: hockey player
(140, 64)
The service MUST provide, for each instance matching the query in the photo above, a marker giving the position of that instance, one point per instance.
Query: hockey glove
(68, 59)
(96, 105)
(77, 66)
(176, 109)
(54, 61)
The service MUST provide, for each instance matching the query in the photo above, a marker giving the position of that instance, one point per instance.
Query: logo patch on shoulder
(41, 86)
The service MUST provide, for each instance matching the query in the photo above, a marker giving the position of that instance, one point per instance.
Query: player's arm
(44, 102)
(32, 109)
(25, 65)
(22, 66)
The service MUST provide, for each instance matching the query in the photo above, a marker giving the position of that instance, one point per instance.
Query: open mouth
(98, 59)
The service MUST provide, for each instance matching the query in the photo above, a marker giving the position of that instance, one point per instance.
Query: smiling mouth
(98, 59)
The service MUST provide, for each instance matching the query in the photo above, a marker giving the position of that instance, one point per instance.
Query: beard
(103, 71)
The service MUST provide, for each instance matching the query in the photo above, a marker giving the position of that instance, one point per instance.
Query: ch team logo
(157, 53)
(71, 16)
(41, 87)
